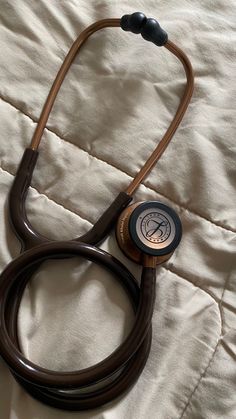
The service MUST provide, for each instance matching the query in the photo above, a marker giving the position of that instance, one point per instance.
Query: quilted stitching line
(199, 381)
(50, 199)
(117, 168)
(203, 374)
(209, 293)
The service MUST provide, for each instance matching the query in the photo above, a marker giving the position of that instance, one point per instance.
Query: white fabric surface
(114, 106)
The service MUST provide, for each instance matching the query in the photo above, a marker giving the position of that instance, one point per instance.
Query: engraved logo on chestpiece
(155, 227)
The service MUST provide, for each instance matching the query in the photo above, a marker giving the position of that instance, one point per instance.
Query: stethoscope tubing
(130, 357)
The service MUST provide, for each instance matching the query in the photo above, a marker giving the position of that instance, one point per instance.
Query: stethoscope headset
(147, 233)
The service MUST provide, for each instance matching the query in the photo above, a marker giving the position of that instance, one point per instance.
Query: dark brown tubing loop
(130, 357)
(126, 363)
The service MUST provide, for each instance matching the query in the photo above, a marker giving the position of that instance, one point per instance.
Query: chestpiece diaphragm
(150, 228)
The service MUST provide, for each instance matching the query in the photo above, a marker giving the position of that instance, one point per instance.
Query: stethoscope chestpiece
(148, 228)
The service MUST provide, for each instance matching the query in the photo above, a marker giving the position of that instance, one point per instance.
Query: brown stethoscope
(147, 232)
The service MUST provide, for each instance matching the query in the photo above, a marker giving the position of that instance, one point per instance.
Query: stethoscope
(147, 233)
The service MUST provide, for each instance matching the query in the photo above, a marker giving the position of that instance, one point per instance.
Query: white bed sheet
(114, 106)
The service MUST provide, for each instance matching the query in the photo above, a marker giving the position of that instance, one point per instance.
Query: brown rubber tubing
(130, 357)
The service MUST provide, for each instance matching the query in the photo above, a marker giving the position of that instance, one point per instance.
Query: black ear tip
(133, 22)
(124, 23)
(151, 31)
(149, 28)
(136, 21)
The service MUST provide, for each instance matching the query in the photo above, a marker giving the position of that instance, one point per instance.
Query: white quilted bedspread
(113, 108)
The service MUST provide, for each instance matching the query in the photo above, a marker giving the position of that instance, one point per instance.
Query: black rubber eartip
(124, 23)
(149, 28)
(136, 21)
(151, 31)
(133, 23)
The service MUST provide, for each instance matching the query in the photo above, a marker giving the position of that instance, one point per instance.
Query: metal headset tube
(51, 387)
